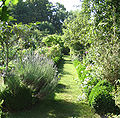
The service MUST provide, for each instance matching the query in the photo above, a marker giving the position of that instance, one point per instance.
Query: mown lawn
(65, 103)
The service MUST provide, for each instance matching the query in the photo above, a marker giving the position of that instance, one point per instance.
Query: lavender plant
(38, 73)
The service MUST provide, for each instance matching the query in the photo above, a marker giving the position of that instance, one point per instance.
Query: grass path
(65, 103)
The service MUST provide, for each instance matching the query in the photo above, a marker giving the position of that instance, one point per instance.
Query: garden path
(65, 103)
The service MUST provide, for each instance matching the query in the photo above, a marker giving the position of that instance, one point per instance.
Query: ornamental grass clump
(37, 73)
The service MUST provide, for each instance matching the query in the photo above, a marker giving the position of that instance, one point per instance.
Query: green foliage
(54, 47)
(59, 14)
(16, 96)
(76, 63)
(76, 28)
(107, 59)
(38, 73)
(81, 70)
(97, 25)
(37, 10)
(20, 100)
(4, 9)
(51, 16)
(42, 51)
(13, 38)
(55, 53)
(51, 40)
(0, 108)
(86, 75)
(105, 51)
(44, 26)
(101, 99)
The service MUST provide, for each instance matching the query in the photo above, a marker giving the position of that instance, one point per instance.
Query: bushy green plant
(107, 59)
(101, 99)
(42, 51)
(38, 73)
(15, 95)
(89, 84)
(19, 100)
(1, 109)
(77, 49)
(54, 53)
(51, 40)
(76, 63)
(87, 81)
(81, 70)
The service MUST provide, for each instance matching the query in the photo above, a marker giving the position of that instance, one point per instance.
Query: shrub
(86, 76)
(101, 99)
(88, 84)
(1, 113)
(38, 73)
(106, 55)
(16, 97)
(81, 70)
(42, 50)
(55, 47)
(54, 53)
(76, 63)
(51, 40)
(77, 49)
(17, 101)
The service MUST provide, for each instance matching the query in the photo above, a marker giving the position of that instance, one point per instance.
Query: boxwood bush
(101, 99)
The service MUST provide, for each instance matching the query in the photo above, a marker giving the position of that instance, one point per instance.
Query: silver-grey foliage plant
(38, 73)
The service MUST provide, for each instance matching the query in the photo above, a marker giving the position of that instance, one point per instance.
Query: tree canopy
(31, 11)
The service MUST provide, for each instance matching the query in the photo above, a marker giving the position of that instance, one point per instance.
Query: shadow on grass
(60, 88)
(61, 67)
(68, 61)
(54, 109)
(66, 73)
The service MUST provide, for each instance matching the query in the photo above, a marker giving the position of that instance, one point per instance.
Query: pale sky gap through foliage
(69, 4)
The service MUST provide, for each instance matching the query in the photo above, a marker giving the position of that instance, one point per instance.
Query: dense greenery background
(35, 30)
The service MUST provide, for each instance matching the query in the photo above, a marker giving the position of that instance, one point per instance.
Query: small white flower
(82, 97)
(87, 79)
(87, 74)
(85, 82)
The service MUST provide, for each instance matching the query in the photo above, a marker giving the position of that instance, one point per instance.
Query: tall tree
(31, 11)
(59, 14)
